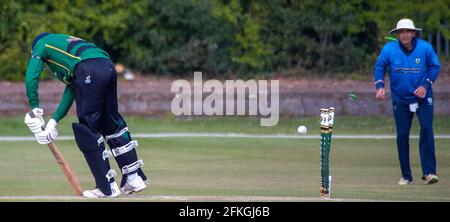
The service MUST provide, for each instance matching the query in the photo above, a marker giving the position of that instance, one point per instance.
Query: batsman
(91, 80)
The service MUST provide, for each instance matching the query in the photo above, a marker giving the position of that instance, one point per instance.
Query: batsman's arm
(65, 104)
(34, 69)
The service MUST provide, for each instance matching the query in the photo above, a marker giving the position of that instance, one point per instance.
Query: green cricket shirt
(61, 53)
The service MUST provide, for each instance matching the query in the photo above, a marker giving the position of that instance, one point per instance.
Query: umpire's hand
(380, 94)
(420, 92)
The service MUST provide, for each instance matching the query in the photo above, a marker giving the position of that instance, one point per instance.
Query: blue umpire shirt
(408, 70)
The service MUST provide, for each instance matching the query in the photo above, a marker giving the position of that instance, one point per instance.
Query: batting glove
(49, 134)
(36, 123)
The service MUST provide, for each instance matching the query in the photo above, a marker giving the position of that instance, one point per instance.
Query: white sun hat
(405, 24)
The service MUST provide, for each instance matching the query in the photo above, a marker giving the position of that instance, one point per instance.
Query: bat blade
(67, 169)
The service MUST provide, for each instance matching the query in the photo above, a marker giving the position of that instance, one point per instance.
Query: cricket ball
(302, 130)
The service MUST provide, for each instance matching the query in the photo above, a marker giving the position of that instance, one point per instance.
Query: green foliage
(219, 37)
(13, 52)
(176, 37)
(429, 15)
(242, 19)
(319, 36)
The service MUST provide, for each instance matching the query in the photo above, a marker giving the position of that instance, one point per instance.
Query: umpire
(91, 80)
(413, 68)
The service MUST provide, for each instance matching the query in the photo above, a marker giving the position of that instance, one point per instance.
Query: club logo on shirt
(87, 80)
(430, 101)
(417, 61)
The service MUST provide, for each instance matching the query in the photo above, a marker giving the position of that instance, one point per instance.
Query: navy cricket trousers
(403, 119)
(96, 96)
(95, 85)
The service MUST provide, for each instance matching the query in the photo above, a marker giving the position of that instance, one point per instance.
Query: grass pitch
(234, 169)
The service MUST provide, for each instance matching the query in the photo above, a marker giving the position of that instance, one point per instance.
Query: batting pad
(93, 149)
(124, 151)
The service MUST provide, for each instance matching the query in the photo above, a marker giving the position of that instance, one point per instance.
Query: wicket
(326, 130)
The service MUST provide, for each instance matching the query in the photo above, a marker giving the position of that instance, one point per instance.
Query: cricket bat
(67, 169)
(65, 166)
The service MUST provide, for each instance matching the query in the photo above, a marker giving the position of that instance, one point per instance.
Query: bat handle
(31, 114)
(34, 116)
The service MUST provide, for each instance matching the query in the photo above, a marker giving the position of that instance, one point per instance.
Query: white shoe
(96, 193)
(404, 182)
(430, 179)
(135, 185)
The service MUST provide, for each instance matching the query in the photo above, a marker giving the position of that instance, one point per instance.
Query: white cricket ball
(302, 130)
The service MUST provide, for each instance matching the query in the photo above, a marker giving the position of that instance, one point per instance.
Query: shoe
(404, 182)
(96, 193)
(430, 179)
(135, 185)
